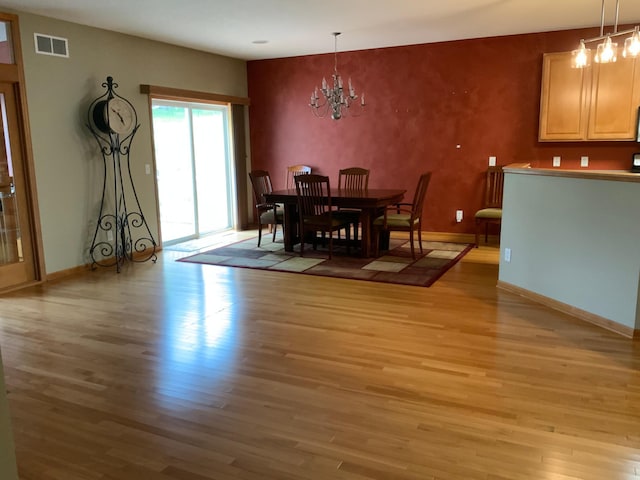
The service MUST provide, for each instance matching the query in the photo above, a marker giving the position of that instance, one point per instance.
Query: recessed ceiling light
(260, 42)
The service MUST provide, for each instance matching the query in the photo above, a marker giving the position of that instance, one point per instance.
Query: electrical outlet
(492, 161)
(584, 161)
(507, 255)
(556, 161)
(147, 169)
(458, 216)
(109, 236)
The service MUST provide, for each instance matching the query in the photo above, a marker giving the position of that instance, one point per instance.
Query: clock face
(119, 115)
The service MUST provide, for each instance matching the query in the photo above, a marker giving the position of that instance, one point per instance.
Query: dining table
(370, 202)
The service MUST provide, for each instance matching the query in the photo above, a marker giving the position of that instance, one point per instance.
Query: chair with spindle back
(491, 211)
(353, 179)
(267, 213)
(293, 171)
(314, 208)
(404, 217)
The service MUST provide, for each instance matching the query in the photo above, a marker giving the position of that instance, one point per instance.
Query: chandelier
(334, 99)
(607, 50)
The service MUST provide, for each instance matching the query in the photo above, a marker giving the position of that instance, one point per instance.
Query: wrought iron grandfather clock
(122, 233)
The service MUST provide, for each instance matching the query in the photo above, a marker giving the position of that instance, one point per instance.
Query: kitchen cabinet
(599, 102)
(615, 96)
(564, 100)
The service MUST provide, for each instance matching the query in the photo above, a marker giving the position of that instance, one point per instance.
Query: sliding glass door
(193, 169)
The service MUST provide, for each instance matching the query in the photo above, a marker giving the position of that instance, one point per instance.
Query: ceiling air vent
(48, 45)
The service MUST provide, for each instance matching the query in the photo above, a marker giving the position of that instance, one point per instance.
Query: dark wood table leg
(365, 220)
(383, 240)
(290, 226)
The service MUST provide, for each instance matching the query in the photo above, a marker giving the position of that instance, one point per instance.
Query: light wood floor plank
(179, 371)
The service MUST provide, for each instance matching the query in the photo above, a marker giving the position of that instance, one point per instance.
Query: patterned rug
(394, 266)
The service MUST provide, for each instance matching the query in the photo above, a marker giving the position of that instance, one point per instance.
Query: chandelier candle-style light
(334, 98)
(607, 51)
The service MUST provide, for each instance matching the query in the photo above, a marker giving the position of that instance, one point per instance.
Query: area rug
(394, 266)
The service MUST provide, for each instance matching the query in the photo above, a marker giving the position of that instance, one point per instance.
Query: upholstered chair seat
(396, 220)
(494, 213)
(272, 216)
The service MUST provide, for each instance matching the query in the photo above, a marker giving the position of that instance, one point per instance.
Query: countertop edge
(612, 175)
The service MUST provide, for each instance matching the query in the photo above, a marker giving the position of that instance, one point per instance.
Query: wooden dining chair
(404, 217)
(267, 213)
(293, 171)
(314, 208)
(353, 179)
(491, 211)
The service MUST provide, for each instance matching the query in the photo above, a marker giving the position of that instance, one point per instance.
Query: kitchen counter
(573, 240)
(615, 175)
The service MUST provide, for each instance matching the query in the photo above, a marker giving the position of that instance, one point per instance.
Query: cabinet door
(564, 100)
(615, 96)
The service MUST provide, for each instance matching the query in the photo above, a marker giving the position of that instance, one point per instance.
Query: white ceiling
(303, 27)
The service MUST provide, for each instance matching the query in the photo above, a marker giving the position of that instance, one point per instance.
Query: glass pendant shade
(606, 51)
(581, 57)
(632, 45)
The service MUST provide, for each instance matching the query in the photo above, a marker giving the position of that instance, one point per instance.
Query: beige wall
(59, 90)
(8, 469)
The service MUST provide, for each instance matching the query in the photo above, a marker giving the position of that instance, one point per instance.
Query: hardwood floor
(180, 371)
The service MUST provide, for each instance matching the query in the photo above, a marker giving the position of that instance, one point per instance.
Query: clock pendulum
(121, 232)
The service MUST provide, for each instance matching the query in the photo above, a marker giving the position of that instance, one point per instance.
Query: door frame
(238, 109)
(14, 74)
(230, 174)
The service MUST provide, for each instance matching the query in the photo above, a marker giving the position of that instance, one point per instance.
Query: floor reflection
(200, 335)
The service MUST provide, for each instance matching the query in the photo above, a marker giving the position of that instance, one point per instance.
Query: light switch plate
(556, 161)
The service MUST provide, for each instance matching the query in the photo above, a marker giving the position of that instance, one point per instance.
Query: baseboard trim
(15, 288)
(444, 237)
(449, 237)
(588, 317)
(52, 277)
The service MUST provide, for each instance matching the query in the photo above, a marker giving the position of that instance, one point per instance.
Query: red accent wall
(443, 107)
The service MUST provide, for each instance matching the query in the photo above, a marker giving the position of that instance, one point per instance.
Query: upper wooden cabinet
(565, 99)
(594, 103)
(615, 96)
